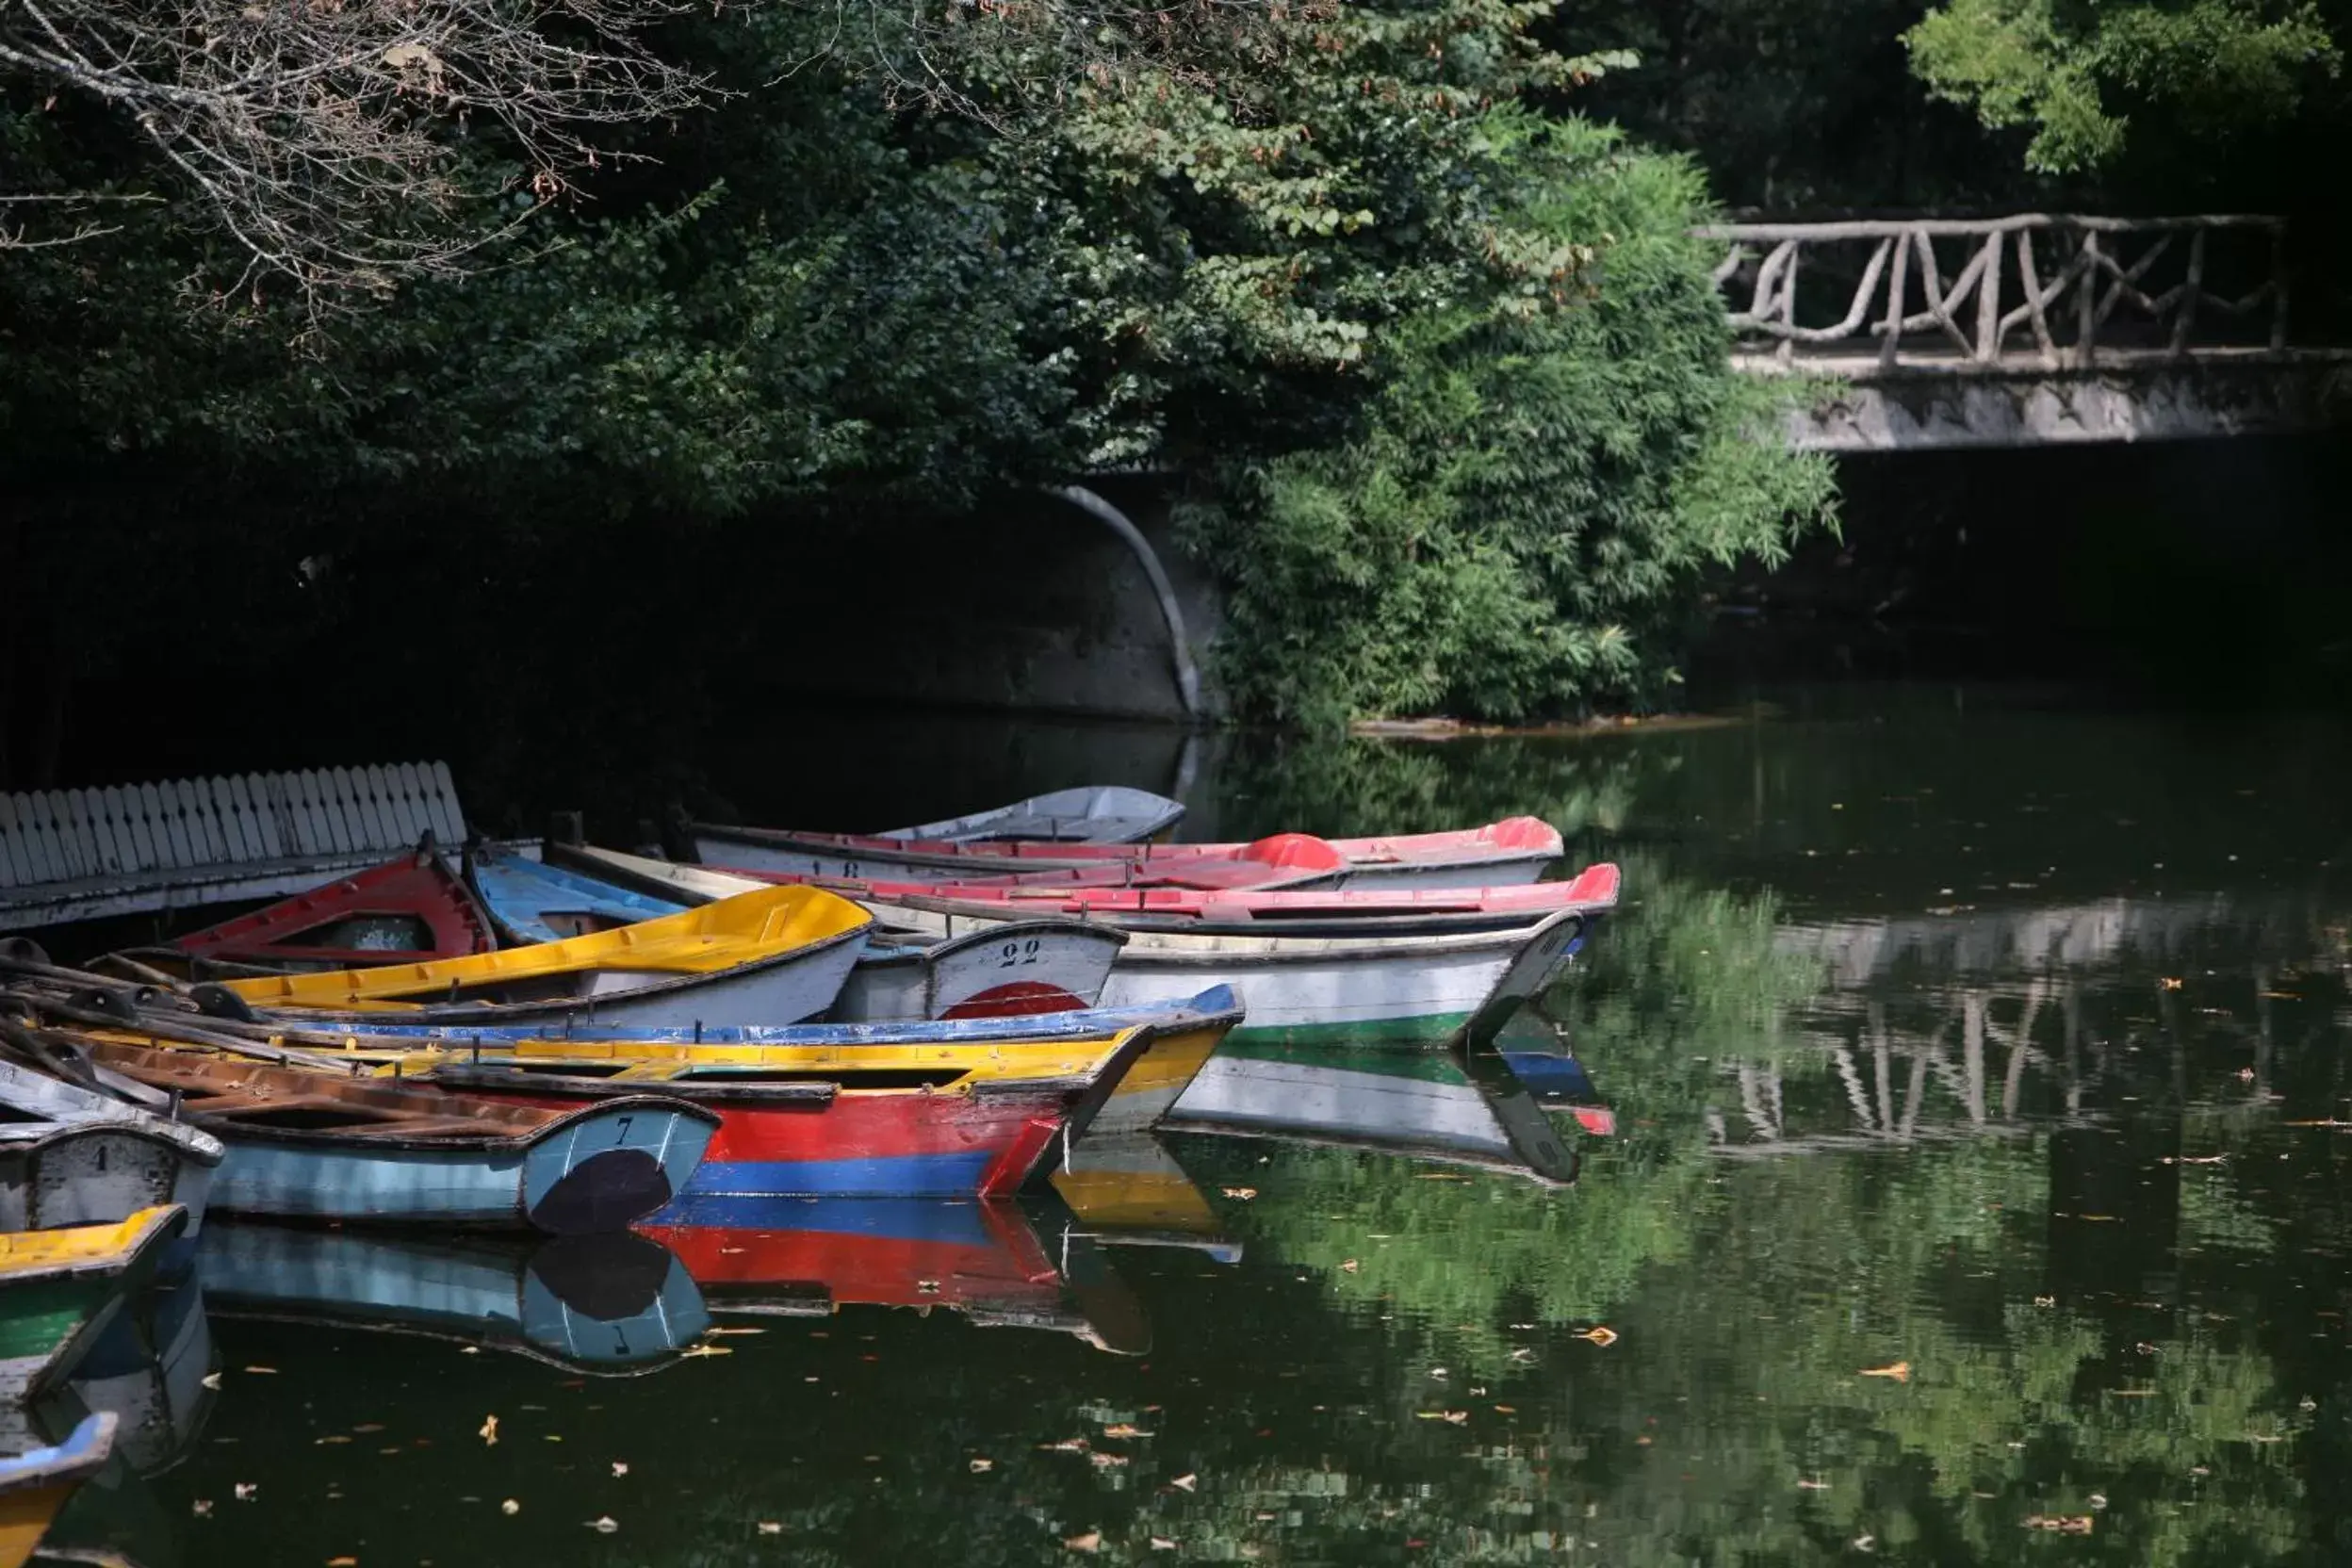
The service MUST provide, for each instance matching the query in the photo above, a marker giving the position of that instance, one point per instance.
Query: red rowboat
(413, 910)
(1343, 910)
(1514, 849)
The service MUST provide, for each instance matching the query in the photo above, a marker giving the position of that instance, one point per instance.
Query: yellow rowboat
(60, 1288)
(35, 1485)
(767, 957)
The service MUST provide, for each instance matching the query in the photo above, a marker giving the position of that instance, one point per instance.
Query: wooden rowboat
(1103, 814)
(72, 1156)
(415, 910)
(984, 1260)
(1047, 966)
(1300, 989)
(530, 900)
(612, 1304)
(1184, 1033)
(34, 1485)
(310, 1145)
(1517, 849)
(773, 957)
(855, 1129)
(58, 1290)
(1335, 912)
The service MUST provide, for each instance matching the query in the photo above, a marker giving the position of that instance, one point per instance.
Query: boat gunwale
(534, 1125)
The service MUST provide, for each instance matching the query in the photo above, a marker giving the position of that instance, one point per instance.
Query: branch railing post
(2106, 264)
(1895, 291)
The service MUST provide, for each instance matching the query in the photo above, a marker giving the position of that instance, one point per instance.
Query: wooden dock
(68, 855)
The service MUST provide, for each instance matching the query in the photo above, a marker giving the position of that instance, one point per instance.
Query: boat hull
(1306, 991)
(881, 1145)
(1101, 814)
(1013, 971)
(596, 1172)
(59, 1290)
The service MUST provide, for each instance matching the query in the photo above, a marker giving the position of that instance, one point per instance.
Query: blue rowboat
(69, 1156)
(308, 1145)
(532, 902)
(606, 1304)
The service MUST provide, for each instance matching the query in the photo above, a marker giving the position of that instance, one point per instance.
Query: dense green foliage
(2078, 73)
(1444, 380)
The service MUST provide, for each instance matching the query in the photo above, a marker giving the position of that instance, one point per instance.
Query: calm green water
(1996, 1046)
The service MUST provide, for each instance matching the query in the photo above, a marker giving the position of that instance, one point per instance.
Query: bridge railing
(2056, 292)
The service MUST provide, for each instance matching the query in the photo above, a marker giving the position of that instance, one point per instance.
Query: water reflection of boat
(607, 1304)
(1131, 1192)
(1461, 1107)
(987, 1258)
(148, 1370)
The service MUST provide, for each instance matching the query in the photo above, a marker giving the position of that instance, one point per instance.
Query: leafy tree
(2076, 74)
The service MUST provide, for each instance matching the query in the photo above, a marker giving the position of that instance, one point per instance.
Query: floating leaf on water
(1900, 1372)
(1507, 1410)
(489, 1433)
(1245, 1194)
(982, 1466)
(509, 1508)
(264, 1371)
(1121, 1429)
(1162, 1543)
(1812, 1486)
(1105, 1461)
(2063, 1524)
(342, 1562)
(1090, 1542)
(711, 1350)
(1067, 1445)
(769, 1527)
(469, 1349)
(337, 1437)
(604, 1523)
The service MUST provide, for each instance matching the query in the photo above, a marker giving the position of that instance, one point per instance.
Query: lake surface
(1978, 1193)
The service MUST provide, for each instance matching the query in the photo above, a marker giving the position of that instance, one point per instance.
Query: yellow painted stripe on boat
(35, 1252)
(751, 926)
(654, 1061)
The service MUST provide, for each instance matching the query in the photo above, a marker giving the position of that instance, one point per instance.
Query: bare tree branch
(328, 138)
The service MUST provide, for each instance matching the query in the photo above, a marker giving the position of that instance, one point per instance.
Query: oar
(133, 1021)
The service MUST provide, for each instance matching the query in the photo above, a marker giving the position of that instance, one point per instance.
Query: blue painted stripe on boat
(953, 1221)
(885, 1176)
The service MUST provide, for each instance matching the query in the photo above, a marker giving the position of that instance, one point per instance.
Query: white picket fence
(80, 853)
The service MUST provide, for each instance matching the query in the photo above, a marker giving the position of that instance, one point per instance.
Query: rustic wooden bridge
(2029, 329)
